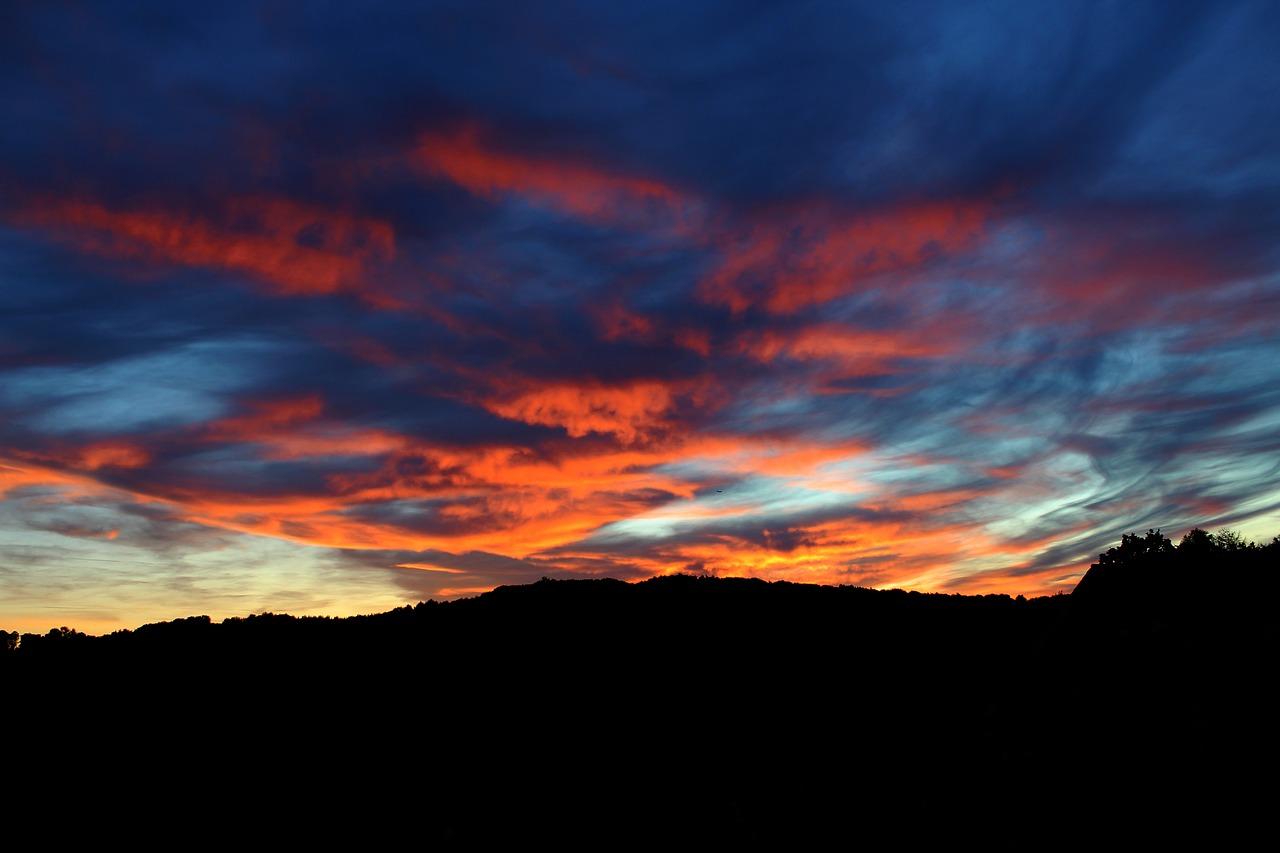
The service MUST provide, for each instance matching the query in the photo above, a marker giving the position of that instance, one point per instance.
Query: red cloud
(616, 322)
(95, 456)
(293, 429)
(1126, 268)
(292, 247)
(850, 351)
(267, 417)
(576, 189)
(112, 454)
(801, 256)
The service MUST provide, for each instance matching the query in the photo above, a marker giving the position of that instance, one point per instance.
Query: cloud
(293, 248)
(576, 189)
(186, 384)
(415, 300)
(630, 412)
(808, 256)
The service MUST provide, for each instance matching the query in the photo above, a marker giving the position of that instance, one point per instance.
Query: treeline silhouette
(713, 711)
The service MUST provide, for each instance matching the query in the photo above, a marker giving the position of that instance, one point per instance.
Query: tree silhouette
(1229, 540)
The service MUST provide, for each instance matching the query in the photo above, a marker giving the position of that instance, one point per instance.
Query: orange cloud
(17, 474)
(630, 412)
(492, 499)
(851, 351)
(861, 552)
(929, 502)
(111, 454)
(504, 500)
(771, 457)
(1018, 580)
(332, 441)
(427, 567)
(294, 248)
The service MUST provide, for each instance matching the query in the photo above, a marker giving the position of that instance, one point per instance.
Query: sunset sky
(331, 308)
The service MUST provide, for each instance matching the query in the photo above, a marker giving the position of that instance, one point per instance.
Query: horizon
(478, 593)
(413, 605)
(463, 598)
(328, 314)
(1233, 545)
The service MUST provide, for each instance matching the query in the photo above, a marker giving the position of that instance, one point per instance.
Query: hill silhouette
(710, 710)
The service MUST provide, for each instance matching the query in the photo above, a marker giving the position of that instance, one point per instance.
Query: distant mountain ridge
(555, 708)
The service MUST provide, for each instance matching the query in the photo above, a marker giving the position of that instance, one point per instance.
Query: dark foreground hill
(680, 710)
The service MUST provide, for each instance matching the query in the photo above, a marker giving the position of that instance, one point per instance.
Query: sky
(329, 308)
